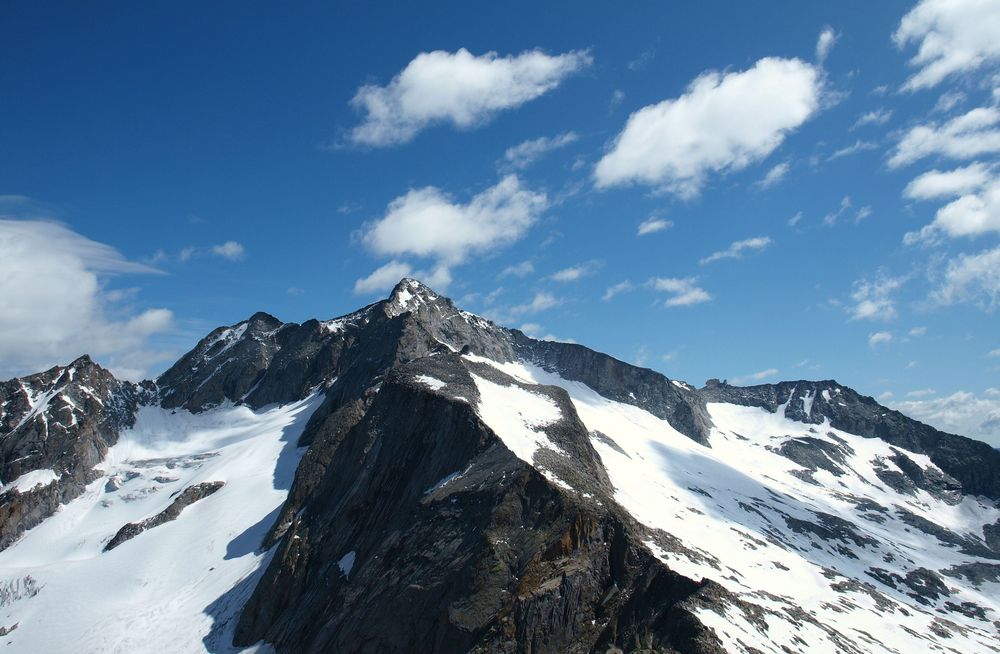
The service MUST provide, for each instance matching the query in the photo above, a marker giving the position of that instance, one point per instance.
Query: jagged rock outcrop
(184, 499)
(226, 364)
(55, 426)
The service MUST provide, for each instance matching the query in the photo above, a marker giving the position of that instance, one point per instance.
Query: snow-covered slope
(175, 587)
(825, 561)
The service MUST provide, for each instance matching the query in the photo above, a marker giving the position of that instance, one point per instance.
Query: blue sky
(751, 191)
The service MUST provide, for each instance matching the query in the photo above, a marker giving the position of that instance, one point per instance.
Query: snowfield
(176, 587)
(748, 521)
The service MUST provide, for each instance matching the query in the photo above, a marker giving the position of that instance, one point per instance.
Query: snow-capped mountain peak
(414, 477)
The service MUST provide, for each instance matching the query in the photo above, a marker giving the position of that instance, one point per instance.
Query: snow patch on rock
(516, 416)
(30, 480)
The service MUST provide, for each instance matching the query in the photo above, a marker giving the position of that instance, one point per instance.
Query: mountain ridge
(478, 490)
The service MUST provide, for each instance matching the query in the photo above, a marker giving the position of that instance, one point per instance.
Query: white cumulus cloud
(873, 298)
(426, 222)
(724, 122)
(385, 277)
(536, 331)
(457, 87)
(973, 214)
(971, 278)
(953, 36)
(970, 135)
(936, 184)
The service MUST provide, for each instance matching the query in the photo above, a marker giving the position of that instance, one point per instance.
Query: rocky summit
(414, 478)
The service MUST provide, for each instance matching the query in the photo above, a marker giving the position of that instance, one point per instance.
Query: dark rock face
(186, 498)
(971, 465)
(63, 420)
(224, 365)
(817, 454)
(977, 573)
(454, 544)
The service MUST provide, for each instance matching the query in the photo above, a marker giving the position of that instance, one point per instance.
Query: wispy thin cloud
(682, 291)
(737, 249)
(654, 224)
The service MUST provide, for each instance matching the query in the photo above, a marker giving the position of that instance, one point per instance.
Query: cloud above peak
(723, 122)
(427, 222)
(458, 88)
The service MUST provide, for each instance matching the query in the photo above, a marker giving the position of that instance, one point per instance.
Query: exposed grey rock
(64, 420)
(925, 585)
(991, 534)
(831, 528)
(964, 544)
(186, 498)
(977, 573)
(817, 454)
(224, 365)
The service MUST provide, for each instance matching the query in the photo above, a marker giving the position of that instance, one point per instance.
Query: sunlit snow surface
(29, 480)
(728, 504)
(177, 587)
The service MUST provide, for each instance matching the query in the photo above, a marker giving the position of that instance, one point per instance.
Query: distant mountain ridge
(463, 487)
